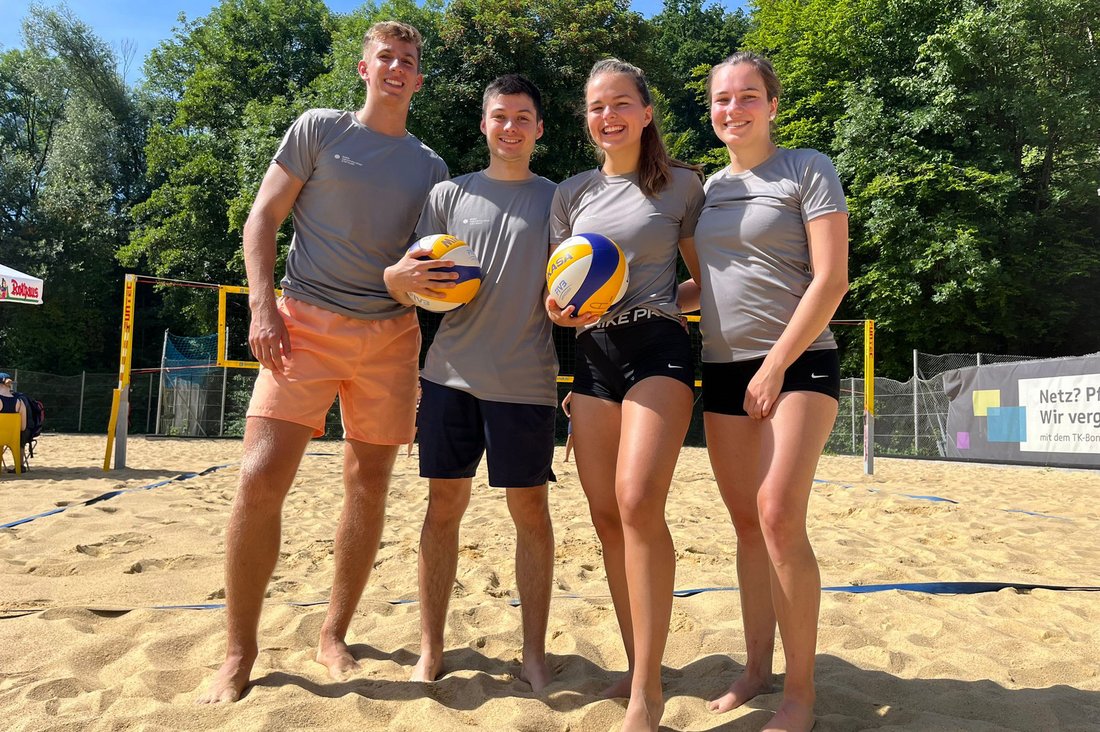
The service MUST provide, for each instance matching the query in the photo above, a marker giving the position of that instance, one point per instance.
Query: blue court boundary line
(207, 471)
(940, 499)
(118, 492)
(113, 494)
(929, 588)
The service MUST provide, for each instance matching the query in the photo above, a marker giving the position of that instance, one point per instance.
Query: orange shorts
(371, 364)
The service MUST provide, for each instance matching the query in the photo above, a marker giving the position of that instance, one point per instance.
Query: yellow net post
(120, 401)
(223, 328)
(869, 397)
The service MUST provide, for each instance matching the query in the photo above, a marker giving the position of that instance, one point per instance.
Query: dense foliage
(965, 132)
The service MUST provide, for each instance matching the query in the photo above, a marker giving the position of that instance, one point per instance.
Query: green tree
(69, 129)
(964, 134)
(973, 172)
(553, 42)
(200, 86)
(688, 40)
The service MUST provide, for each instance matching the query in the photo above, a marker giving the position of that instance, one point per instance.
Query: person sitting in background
(10, 403)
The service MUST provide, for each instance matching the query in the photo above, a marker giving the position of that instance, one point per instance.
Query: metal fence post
(916, 408)
(80, 409)
(160, 387)
(221, 422)
(852, 389)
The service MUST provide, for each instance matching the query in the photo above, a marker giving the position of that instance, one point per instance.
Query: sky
(145, 23)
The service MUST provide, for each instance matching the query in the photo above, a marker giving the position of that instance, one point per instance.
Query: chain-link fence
(910, 416)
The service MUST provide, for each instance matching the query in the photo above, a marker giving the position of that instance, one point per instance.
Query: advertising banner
(1042, 412)
(18, 287)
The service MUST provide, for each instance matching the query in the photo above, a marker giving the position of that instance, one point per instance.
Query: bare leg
(596, 423)
(792, 444)
(437, 566)
(534, 575)
(734, 446)
(272, 451)
(568, 446)
(367, 470)
(655, 417)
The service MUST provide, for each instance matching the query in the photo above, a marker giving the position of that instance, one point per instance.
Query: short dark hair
(512, 84)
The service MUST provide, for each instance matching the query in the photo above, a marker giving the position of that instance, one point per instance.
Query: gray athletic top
(499, 346)
(356, 212)
(647, 229)
(753, 252)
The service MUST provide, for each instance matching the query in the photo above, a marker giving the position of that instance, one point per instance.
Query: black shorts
(724, 384)
(612, 360)
(456, 429)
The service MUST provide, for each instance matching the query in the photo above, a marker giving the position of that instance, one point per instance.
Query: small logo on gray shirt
(346, 160)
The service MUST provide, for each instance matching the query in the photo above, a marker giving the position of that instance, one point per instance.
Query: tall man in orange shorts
(356, 182)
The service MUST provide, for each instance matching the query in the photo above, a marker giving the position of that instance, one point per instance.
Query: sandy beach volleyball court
(83, 645)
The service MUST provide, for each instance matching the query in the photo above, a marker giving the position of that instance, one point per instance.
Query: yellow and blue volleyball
(445, 246)
(587, 271)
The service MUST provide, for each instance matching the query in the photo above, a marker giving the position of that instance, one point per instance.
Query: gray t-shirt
(753, 252)
(647, 229)
(499, 346)
(356, 212)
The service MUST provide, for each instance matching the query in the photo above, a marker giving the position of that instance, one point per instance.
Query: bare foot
(643, 714)
(745, 687)
(537, 674)
(428, 668)
(792, 716)
(620, 689)
(335, 655)
(228, 683)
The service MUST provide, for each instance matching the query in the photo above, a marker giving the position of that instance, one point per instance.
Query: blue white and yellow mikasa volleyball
(587, 271)
(445, 246)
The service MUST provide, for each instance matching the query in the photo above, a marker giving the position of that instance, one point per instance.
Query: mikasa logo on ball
(561, 262)
(588, 273)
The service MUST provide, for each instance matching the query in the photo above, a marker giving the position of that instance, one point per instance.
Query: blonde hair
(655, 163)
(393, 30)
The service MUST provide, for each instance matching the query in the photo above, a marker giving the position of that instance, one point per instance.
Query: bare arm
(22, 415)
(267, 334)
(688, 293)
(828, 240)
(415, 272)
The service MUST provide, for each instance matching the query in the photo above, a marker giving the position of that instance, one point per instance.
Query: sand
(86, 642)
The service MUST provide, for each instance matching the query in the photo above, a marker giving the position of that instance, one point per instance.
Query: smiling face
(616, 113)
(390, 69)
(511, 127)
(740, 110)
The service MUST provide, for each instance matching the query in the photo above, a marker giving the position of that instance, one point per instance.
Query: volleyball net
(202, 382)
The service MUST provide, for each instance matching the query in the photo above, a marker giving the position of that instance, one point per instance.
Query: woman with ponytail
(632, 391)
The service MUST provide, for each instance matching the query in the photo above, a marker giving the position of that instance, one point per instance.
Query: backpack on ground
(36, 418)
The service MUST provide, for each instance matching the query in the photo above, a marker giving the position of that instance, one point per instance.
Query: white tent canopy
(18, 287)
